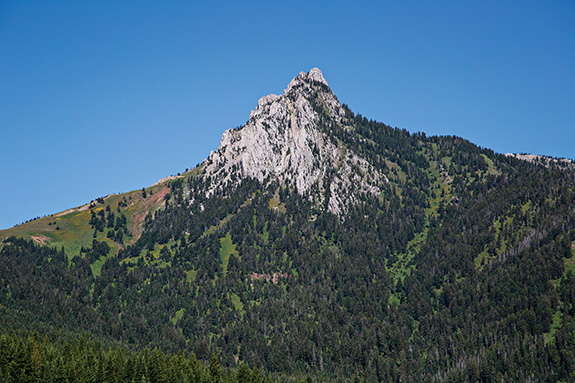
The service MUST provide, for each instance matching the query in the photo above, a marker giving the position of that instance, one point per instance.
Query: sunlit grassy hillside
(72, 229)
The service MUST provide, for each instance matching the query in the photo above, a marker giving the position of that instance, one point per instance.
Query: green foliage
(29, 358)
(117, 219)
(228, 248)
(462, 269)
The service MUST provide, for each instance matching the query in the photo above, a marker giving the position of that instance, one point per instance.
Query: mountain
(317, 244)
(288, 140)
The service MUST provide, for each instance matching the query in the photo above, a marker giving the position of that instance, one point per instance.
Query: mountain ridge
(314, 75)
(460, 266)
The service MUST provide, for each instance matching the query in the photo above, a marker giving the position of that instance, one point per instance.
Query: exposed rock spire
(282, 140)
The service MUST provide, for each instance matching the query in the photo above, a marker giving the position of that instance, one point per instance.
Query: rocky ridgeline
(282, 141)
(564, 163)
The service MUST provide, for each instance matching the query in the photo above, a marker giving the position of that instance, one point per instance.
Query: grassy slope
(401, 263)
(227, 249)
(71, 229)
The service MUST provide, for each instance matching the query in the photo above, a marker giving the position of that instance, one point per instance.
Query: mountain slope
(318, 242)
(117, 219)
(282, 142)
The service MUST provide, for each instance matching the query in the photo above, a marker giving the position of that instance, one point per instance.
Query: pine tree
(215, 369)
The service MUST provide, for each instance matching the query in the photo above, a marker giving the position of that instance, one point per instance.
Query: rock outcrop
(547, 161)
(283, 141)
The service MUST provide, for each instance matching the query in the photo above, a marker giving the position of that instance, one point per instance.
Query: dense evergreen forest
(29, 358)
(461, 270)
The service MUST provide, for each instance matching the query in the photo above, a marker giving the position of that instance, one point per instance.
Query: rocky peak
(313, 75)
(316, 75)
(282, 140)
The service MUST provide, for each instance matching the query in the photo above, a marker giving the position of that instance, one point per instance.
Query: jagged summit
(316, 75)
(298, 82)
(282, 140)
(313, 75)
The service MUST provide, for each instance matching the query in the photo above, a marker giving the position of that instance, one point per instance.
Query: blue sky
(106, 97)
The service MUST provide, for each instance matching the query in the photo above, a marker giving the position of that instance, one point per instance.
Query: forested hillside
(454, 264)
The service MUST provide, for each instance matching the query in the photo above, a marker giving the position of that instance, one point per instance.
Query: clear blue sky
(103, 97)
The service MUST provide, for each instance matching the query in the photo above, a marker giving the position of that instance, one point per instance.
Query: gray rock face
(282, 141)
(565, 163)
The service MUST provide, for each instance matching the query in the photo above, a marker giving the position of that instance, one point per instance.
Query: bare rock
(282, 141)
